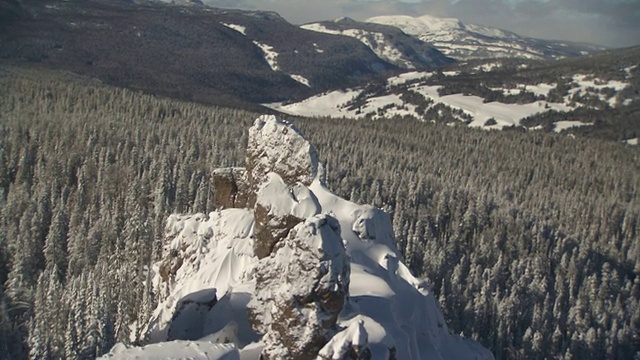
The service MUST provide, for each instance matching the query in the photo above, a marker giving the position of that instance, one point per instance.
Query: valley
(188, 181)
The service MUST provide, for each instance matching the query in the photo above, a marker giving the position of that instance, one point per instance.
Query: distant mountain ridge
(388, 42)
(191, 52)
(470, 41)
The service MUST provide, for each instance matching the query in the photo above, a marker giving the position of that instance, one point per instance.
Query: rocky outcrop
(298, 273)
(279, 207)
(278, 147)
(300, 290)
(174, 254)
(230, 188)
(274, 147)
(302, 279)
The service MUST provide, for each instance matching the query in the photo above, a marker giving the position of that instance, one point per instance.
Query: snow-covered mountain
(287, 270)
(469, 41)
(388, 42)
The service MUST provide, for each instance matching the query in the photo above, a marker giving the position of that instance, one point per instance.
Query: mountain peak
(470, 41)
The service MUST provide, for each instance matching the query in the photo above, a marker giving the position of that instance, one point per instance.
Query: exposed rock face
(300, 290)
(279, 207)
(276, 146)
(302, 279)
(174, 255)
(231, 189)
(270, 230)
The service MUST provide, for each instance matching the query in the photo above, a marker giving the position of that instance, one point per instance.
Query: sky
(611, 23)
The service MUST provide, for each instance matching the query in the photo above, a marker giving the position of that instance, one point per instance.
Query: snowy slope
(375, 41)
(387, 42)
(200, 350)
(336, 104)
(217, 276)
(467, 41)
(469, 109)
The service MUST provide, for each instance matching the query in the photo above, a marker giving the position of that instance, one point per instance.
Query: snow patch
(301, 79)
(451, 73)
(317, 48)
(585, 81)
(629, 69)
(270, 55)
(239, 28)
(568, 124)
(408, 76)
(488, 67)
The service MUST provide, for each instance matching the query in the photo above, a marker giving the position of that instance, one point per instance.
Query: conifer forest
(529, 240)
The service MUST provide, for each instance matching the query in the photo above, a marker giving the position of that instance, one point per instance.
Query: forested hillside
(529, 240)
(89, 175)
(195, 53)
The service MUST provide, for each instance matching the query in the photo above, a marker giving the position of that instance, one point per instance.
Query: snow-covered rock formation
(295, 272)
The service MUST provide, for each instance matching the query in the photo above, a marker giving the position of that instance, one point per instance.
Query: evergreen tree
(55, 252)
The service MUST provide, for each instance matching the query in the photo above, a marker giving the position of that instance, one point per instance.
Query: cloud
(606, 22)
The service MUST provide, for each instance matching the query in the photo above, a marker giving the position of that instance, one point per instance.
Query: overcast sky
(612, 23)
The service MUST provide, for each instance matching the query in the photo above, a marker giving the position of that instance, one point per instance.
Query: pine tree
(55, 252)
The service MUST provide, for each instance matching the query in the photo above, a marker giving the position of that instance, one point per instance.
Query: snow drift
(293, 272)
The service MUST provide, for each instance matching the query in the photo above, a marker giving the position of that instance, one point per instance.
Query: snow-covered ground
(456, 39)
(271, 57)
(333, 104)
(408, 76)
(327, 104)
(587, 82)
(504, 114)
(336, 103)
(568, 124)
(194, 350)
(537, 89)
(463, 41)
(488, 66)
